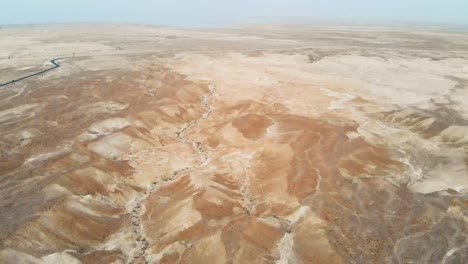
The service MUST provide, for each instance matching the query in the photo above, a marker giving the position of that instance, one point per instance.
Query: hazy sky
(217, 12)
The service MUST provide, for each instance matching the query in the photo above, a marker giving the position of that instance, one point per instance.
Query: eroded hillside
(250, 155)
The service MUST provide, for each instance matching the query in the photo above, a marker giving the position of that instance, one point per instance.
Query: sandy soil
(268, 144)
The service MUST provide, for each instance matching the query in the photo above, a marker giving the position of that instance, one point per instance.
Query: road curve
(54, 62)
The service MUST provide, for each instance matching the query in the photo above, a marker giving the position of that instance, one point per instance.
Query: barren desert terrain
(260, 144)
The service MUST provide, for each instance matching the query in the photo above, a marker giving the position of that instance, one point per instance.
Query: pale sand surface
(262, 144)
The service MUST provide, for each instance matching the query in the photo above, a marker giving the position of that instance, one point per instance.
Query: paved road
(54, 62)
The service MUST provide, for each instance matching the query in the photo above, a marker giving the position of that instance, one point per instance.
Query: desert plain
(258, 144)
